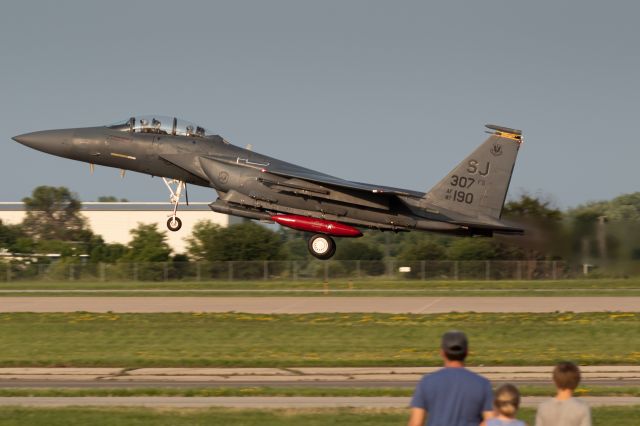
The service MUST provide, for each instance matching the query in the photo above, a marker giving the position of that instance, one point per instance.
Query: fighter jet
(467, 202)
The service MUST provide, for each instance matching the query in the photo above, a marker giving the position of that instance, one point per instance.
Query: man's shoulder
(476, 376)
(455, 374)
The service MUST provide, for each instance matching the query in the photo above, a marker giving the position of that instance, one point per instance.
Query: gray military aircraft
(467, 202)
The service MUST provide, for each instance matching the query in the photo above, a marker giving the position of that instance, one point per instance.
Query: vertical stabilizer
(477, 187)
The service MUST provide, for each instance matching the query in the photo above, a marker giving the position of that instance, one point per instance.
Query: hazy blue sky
(391, 93)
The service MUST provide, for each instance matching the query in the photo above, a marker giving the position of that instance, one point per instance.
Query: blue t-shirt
(498, 422)
(453, 397)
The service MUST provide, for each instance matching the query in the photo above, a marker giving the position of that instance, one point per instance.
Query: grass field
(578, 287)
(525, 390)
(245, 340)
(619, 416)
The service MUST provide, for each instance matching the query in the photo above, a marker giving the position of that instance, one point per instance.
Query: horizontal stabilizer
(497, 227)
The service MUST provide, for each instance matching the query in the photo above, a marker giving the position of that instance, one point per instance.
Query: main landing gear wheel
(322, 246)
(174, 224)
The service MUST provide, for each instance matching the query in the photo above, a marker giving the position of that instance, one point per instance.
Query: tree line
(598, 231)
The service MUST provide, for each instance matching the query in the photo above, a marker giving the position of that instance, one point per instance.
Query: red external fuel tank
(319, 226)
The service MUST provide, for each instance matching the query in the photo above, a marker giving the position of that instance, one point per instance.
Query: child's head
(507, 400)
(566, 375)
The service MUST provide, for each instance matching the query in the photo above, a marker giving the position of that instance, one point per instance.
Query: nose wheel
(322, 246)
(175, 188)
(174, 224)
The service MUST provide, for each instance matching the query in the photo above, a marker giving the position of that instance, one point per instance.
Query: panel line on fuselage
(128, 157)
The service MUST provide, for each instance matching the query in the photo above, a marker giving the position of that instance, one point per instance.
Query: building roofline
(117, 206)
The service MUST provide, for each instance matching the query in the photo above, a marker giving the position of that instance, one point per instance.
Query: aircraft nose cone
(51, 141)
(28, 139)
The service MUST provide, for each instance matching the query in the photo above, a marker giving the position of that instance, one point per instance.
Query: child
(506, 402)
(564, 409)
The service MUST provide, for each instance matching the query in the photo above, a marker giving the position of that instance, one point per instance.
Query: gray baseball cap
(455, 342)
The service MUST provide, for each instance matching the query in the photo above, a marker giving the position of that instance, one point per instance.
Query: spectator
(506, 404)
(453, 395)
(564, 409)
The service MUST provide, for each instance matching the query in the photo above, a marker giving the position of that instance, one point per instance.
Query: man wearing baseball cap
(453, 395)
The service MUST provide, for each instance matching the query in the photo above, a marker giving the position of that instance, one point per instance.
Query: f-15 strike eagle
(467, 202)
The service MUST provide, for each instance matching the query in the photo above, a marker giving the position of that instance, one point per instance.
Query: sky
(391, 93)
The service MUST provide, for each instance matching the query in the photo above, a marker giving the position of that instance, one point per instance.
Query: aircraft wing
(289, 170)
(292, 171)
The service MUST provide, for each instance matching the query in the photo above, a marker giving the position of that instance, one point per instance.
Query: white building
(113, 221)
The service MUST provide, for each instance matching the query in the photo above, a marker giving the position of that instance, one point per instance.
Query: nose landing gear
(174, 223)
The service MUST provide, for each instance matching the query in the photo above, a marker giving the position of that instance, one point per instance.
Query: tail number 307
(462, 181)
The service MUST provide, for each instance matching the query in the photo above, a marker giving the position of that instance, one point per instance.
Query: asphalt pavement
(303, 305)
(343, 377)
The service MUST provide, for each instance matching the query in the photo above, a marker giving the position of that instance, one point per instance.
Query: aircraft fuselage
(257, 186)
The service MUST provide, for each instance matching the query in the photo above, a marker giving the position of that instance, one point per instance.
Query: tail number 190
(462, 197)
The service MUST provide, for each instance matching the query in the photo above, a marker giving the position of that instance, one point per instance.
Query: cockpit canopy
(160, 124)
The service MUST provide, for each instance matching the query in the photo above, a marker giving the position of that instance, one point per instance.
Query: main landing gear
(322, 246)
(174, 223)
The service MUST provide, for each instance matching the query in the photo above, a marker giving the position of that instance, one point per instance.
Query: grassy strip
(253, 340)
(12, 416)
(526, 390)
(206, 392)
(342, 287)
(343, 284)
(530, 390)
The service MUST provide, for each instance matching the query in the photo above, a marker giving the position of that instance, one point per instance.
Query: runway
(265, 402)
(303, 305)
